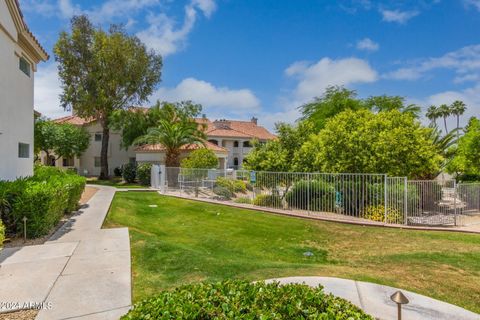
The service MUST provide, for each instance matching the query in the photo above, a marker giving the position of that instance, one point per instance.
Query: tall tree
(445, 112)
(103, 71)
(175, 128)
(457, 109)
(389, 103)
(433, 114)
(334, 100)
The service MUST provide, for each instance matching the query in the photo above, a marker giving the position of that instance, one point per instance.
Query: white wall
(116, 156)
(16, 104)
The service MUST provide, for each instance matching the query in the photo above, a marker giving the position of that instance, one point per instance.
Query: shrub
(268, 200)
(223, 193)
(377, 213)
(144, 174)
(200, 159)
(117, 172)
(233, 185)
(243, 300)
(310, 194)
(129, 172)
(245, 200)
(2, 234)
(42, 199)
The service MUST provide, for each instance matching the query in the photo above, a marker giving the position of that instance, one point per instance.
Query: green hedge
(43, 199)
(244, 300)
(144, 174)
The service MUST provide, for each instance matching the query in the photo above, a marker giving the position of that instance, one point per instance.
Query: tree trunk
(445, 122)
(172, 158)
(458, 121)
(104, 151)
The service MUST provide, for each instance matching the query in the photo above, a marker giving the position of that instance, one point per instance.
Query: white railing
(363, 197)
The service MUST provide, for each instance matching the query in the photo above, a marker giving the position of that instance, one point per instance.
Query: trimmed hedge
(144, 174)
(243, 300)
(43, 199)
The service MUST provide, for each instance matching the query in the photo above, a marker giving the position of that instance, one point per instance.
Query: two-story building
(236, 136)
(228, 139)
(20, 53)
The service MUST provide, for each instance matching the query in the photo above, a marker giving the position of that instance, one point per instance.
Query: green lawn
(115, 182)
(184, 241)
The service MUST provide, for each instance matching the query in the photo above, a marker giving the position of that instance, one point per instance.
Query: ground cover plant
(182, 241)
(246, 300)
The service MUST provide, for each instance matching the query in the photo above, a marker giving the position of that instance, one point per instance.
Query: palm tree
(433, 114)
(445, 111)
(458, 108)
(173, 133)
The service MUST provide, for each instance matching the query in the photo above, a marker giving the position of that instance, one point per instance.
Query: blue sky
(244, 58)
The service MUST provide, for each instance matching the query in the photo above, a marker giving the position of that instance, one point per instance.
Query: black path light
(399, 298)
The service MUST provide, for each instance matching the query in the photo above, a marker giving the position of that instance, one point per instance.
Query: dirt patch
(19, 315)
(87, 194)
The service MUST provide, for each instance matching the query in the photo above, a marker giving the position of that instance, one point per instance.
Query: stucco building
(228, 139)
(20, 53)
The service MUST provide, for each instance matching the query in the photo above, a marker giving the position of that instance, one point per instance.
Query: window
(97, 162)
(235, 161)
(68, 162)
(215, 142)
(235, 144)
(98, 137)
(246, 144)
(23, 150)
(24, 66)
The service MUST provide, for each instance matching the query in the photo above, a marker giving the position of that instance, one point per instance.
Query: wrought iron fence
(372, 197)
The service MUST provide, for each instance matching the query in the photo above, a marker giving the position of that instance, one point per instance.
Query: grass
(114, 182)
(182, 241)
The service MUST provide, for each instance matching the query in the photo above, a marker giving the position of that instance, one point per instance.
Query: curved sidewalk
(375, 300)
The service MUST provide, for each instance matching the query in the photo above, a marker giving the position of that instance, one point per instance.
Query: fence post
(385, 197)
(308, 193)
(405, 200)
(455, 201)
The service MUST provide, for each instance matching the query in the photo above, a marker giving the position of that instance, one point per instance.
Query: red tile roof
(236, 129)
(74, 120)
(187, 147)
(217, 128)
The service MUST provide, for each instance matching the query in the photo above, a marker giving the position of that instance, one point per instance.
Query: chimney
(254, 120)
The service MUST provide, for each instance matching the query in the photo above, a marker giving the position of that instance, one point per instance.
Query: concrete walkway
(375, 300)
(82, 272)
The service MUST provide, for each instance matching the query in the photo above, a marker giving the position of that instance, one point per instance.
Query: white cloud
(164, 37)
(47, 91)
(472, 3)
(465, 62)
(398, 16)
(118, 8)
(214, 99)
(367, 44)
(314, 78)
(42, 7)
(67, 9)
